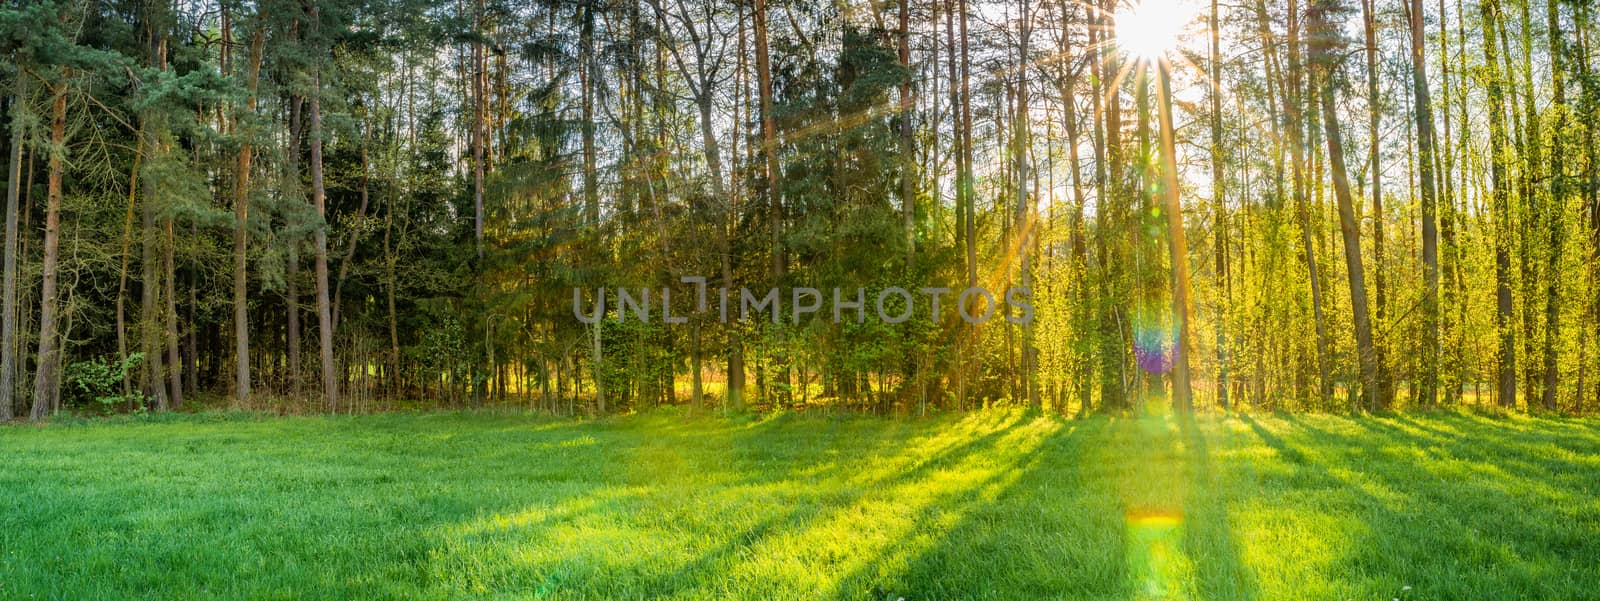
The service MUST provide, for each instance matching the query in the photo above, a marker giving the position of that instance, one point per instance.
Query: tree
(1500, 204)
(1322, 44)
(330, 377)
(1426, 161)
(241, 216)
(46, 383)
(8, 294)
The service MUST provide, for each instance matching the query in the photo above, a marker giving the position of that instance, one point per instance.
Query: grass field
(996, 505)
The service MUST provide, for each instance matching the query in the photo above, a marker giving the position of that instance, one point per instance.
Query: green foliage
(99, 380)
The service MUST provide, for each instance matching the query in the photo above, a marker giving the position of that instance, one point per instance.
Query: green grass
(990, 505)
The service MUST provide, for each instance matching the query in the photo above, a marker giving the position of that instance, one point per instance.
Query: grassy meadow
(993, 505)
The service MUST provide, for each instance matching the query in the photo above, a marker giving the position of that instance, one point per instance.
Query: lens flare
(1152, 342)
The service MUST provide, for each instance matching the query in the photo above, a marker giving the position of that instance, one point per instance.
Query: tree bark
(1321, 56)
(241, 231)
(1219, 207)
(908, 159)
(1178, 244)
(46, 385)
(1500, 205)
(8, 293)
(769, 147)
(149, 337)
(330, 372)
(292, 276)
(170, 315)
(1427, 388)
(1379, 217)
(1555, 217)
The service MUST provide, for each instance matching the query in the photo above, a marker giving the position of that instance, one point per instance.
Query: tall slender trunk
(1379, 216)
(591, 196)
(241, 231)
(170, 314)
(769, 147)
(330, 372)
(478, 129)
(1423, 112)
(908, 158)
(389, 281)
(1083, 296)
(292, 277)
(964, 178)
(1321, 56)
(1220, 206)
(8, 293)
(1500, 204)
(1294, 100)
(1555, 216)
(149, 338)
(1177, 243)
(46, 386)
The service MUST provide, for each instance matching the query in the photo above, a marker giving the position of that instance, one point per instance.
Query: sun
(1150, 28)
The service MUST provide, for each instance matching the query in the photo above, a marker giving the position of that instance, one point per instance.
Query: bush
(99, 381)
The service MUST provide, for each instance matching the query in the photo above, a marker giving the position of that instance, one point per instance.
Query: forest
(345, 206)
(847, 300)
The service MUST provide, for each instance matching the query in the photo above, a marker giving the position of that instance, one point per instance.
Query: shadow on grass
(1105, 508)
(1450, 517)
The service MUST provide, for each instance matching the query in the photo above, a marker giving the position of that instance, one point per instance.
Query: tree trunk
(1321, 56)
(769, 146)
(1220, 207)
(170, 315)
(330, 373)
(241, 231)
(150, 341)
(1379, 217)
(908, 159)
(1500, 205)
(1178, 244)
(1423, 113)
(292, 277)
(46, 386)
(1297, 123)
(8, 294)
(1556, 215)
(591, 196)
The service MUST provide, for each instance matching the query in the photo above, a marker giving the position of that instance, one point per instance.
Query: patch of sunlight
(1292, 547)
(537, 516)
(1156, 561)
(904, 513)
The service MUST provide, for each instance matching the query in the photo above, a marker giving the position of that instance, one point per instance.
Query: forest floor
(996, 504)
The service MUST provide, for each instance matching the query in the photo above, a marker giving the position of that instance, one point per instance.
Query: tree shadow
(1108, 508)
(1465, 521)
(1210, 536)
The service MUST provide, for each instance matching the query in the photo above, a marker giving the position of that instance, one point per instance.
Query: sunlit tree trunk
(1556, 214)
(1379, 216)
(1293, 99)
(1423, 112)
(1220, 208)
(1178, 244)
(1322, 59)
(1500, 204)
